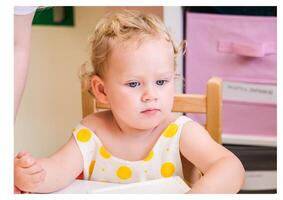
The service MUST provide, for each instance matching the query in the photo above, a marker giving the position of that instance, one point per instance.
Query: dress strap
(182, 120)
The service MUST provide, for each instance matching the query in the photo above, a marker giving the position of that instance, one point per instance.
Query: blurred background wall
(51, 104)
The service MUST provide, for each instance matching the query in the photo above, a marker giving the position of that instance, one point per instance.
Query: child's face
(139, 83)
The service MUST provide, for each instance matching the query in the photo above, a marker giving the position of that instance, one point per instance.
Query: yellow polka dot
(167, 169)
(90, 169)
(124, 172)
(104, 153)
(170, 131)
(149, 156)
(83, 135)
(73, 130)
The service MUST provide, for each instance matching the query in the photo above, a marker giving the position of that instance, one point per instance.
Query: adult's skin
(22, 43)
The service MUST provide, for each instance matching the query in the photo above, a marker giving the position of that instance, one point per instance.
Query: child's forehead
(145, 50)
(152, 55)
(138, 40)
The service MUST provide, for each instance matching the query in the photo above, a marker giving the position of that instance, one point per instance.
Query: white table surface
(84, 186)
(172, 185)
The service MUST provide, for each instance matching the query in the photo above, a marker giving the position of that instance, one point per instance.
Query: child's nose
(149, 94)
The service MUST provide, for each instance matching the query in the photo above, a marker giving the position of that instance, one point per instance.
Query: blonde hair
(122, 27)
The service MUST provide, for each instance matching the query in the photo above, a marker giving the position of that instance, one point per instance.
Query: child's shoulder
(191, 127)
(187, 123)
(193, 137)
(192, 132)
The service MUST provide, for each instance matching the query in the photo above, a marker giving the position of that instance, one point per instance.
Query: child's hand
(18, 191)
(28, 174)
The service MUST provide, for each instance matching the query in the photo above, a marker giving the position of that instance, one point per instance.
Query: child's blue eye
(161, 82)
(133, 84)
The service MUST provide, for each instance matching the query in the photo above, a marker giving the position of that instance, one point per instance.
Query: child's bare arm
(59, 170)
(223, 171)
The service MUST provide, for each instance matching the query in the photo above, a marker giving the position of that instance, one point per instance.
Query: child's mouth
(151, 111)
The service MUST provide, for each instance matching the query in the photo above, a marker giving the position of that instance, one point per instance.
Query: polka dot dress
(162, 161)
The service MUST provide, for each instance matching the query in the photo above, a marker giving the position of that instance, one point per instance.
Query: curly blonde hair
(122, 27)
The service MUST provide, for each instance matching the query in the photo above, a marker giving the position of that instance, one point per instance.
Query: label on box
(249, 92)
(260, 180)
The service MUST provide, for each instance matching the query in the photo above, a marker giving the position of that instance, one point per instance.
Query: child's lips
(150, 111)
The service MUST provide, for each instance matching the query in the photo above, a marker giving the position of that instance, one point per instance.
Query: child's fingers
(25, 161)
(37, 177)
(28, 182)
(21, 154)
(35, 168)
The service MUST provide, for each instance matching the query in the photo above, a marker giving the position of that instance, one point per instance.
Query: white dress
(162, 161)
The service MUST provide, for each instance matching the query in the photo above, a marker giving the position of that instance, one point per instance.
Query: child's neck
(129, 132)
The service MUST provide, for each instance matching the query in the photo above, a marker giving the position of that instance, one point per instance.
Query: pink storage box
(241, 49)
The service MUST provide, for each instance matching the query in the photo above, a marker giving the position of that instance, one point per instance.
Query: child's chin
(148, 123)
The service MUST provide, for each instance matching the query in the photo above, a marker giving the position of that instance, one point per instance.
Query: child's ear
(97, 88)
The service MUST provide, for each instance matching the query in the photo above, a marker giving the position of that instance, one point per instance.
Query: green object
(54, 16)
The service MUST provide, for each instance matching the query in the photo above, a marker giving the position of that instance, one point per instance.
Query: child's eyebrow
(139, 75)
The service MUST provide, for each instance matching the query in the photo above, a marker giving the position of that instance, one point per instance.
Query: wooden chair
(209, 104)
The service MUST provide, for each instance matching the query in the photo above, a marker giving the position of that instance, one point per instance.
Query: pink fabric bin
(236, 48)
